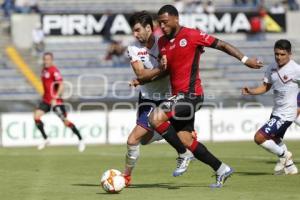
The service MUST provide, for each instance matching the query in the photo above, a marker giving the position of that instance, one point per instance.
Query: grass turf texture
(63, 173)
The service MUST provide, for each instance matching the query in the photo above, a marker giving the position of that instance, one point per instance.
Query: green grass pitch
(62, 173)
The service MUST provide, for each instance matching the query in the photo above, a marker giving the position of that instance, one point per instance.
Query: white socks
(272, 147)
(188, 153)
(133, 153)
(222, 169)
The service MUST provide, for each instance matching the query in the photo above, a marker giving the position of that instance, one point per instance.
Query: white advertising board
(203, 125)
(18, 129)
(121, 122)
(241, 124)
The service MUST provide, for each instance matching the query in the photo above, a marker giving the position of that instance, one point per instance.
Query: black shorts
(59, 110)
(181, 110)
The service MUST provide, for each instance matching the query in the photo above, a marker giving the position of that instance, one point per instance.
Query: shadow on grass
(273, 162)
(86, 185)
(253, 173)
(169, 186)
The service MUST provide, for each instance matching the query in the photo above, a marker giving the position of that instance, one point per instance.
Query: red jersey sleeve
(201, 38)
(57, 77)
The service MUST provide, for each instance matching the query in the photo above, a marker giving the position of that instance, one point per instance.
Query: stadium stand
(83, 64)
(127, 6)
(82, 60)
(13, 86)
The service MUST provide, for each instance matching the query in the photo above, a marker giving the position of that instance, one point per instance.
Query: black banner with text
(99, 24)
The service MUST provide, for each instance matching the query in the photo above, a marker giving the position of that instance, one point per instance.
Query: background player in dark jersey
(182, 48)
(52, 99)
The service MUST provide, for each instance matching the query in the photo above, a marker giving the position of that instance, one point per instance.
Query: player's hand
(134, 83)
(53, 102)
(164, 62)
(254, 63)
(246, 91)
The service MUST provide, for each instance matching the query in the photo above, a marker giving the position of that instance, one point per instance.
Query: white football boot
(43, 144)
(183, 162)
(290, 168)
(81, 146)
(281, 163)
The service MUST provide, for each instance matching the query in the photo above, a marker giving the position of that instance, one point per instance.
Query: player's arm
(235, 52)
(145, 75)
(265, 87)
(60, 89)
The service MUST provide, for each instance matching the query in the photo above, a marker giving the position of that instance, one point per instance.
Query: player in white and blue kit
(145, 62)
(283, 76)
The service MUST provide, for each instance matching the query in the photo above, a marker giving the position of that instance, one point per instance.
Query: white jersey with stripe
(284, 81)
(155, 90)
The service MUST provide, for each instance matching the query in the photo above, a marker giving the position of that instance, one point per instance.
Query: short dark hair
(48, 54)
(171, 10)
(143, 17)
(283, 44)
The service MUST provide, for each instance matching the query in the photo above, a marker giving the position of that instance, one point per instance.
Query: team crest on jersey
(182, 42)
(46, 74)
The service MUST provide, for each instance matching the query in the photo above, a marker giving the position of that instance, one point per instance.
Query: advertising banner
(112, 24)
(18, 129)
(241, 124)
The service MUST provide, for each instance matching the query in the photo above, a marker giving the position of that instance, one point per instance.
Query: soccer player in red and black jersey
(182, 48)
(52, 99)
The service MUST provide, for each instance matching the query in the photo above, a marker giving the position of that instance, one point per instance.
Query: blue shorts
(298, 100)
(275, 127)
(145, 107)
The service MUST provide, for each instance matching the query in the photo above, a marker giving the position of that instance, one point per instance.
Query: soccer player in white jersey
(145, 62)
(283, 76)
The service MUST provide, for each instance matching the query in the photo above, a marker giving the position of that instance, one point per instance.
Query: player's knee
(132, 141)
(37, 119)
(37, 116)
(156, 119)
(259, 138)
(68, 123)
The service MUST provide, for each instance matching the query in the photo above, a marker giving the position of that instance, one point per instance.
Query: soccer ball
(112, 181)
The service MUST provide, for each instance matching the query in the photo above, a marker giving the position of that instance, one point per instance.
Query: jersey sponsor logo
(142, 53)
(183, 42)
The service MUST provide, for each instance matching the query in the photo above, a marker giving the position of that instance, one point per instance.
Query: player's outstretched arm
(235, 52)
(265, 87)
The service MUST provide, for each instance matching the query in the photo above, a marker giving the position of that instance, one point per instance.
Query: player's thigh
(60, 111)
(38, 114)
(158, 116)
(144, 111)
(184, 106)
(136, 135)
(41, 109)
